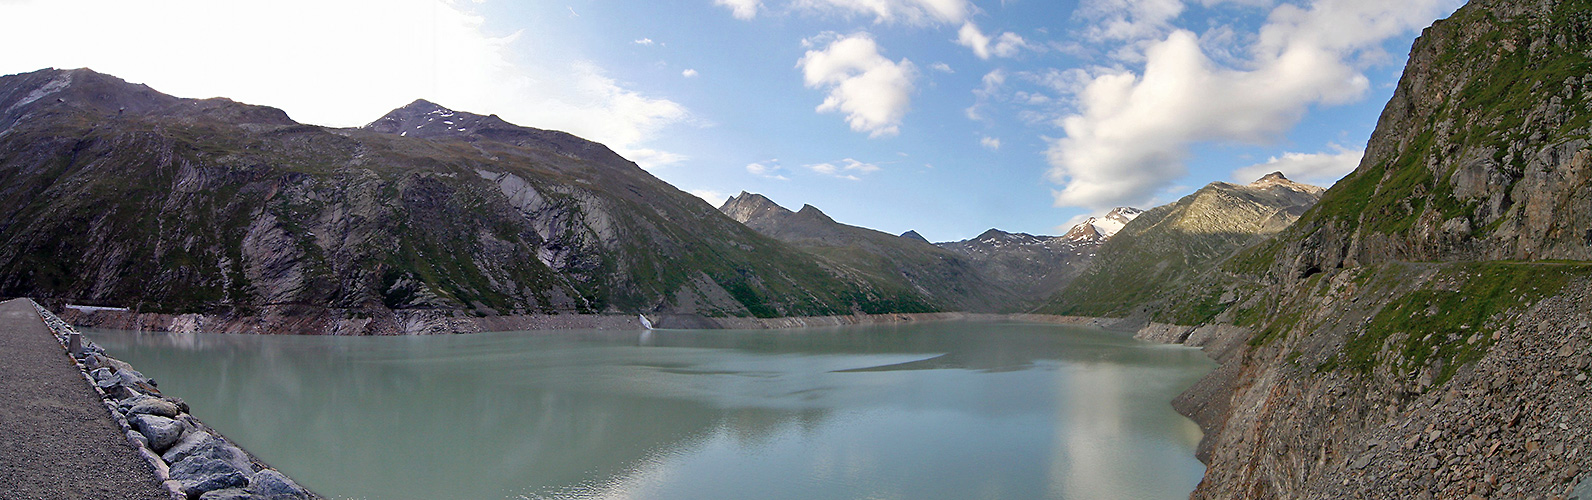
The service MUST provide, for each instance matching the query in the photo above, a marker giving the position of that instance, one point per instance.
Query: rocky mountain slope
(115, 194)
(1035, 267)
(950, 281)
(1169, 248)
(1425, 330)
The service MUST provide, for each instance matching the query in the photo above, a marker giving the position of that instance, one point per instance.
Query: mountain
(1034, 267)
(948, 280)
(113, 193)
(1098, 229)
(913, 235)
(1171, 245)
(1422, 331)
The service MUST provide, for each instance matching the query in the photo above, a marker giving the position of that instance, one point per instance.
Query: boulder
(100, 374)
(161, 431)
(229, 494)
(200, 444)
(197, 475)
(276, 486)
(136, 437)
(127, 404)
(155, 406)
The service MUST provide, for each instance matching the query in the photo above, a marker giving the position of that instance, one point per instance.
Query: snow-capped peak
(1103, 227)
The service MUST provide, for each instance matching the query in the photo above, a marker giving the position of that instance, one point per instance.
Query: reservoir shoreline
(313, 320)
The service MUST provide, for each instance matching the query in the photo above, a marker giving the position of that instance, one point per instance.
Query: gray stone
(198, 475)
(127, 404)
(1362, 461)
(228, 494)
(202, 444)
(161, 431)
(100, 374)
(276, 486)
(155, 406)
(136, 437)
(190, 444)
(1583, 488)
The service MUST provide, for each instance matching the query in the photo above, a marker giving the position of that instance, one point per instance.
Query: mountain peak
(1103, 227)
(1277, 179)
(80, 88)
(812, 211)
(423, 118)
(747, 206)
(913, 235)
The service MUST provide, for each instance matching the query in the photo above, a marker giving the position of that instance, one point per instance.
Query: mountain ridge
(119, 194)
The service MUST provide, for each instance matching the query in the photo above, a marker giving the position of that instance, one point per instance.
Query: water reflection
(950, 410)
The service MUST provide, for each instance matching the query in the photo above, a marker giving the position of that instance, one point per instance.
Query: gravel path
(57, 440)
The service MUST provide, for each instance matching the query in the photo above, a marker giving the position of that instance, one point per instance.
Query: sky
(948, 117)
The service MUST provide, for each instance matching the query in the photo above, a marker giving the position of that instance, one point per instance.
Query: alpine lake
(946, 410)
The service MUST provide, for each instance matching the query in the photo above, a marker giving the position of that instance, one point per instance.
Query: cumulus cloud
(644, 41)
(1002, 45)
(1131, 131)
(689, 73)
(457, 63)
(1322, 169)
(990, 142)
(1123, 20)
(873, 91)
(846, 169)
(742, 9)
(919, 12)
(942, 67)
(770, 169)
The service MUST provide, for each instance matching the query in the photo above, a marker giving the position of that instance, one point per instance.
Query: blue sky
(944, 116)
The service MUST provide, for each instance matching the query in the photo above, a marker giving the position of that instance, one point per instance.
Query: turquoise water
(958, 410)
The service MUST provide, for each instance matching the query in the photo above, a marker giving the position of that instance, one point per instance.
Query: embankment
(190, 459)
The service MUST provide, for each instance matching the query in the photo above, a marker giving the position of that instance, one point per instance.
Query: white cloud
(1126, 20)
(770, 169)
(847, 169)
(993, 82)
(1003, 45)
(1131, 132)
(341, 66)
(689, 73)
(1322, 169)
(649, 159)
(990, 142)
(644, 41)
(942, 67)
(919, 12)
(713, 197)
(872, 91)
(744, 10)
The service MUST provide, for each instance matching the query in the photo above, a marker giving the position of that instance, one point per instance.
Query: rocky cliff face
(1481, 154)
(1035, 267)
(946, 280)
(1408, 337)
(1170, 247)
(115, 194)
